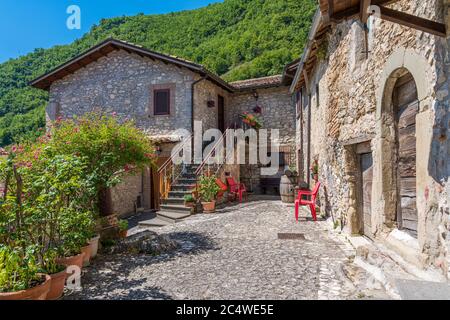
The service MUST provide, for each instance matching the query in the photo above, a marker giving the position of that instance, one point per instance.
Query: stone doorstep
(172, 217)
(390, 266)
(154, 222)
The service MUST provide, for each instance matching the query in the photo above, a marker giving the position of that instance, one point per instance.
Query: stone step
(154, 222)
(178, 194)
(188, 181)
(171, 216)
(182, 187)
(178, 201)
(175, 208)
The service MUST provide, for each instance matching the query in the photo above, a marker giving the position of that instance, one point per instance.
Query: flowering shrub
(51, 191)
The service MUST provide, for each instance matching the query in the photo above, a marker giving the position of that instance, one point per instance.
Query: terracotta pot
(87, 254)
(36, 293)
(209, 207)
(57, 285)
(123, 233)
(189, 204)
(94, 246)
(72, 261)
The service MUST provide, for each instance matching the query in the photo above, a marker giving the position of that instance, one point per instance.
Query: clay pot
(57, 285)
(94, 246)
(123, 233)
(87, 250)
(209, 207)
(189, 204)
(71, 261)
(38, 292)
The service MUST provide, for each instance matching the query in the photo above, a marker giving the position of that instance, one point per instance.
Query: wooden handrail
(169, 161)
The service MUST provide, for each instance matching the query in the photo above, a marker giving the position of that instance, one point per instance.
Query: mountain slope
(236, 39)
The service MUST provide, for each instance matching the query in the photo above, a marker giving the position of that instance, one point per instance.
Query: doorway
(221, 113)
(366, 176)
(406, 107)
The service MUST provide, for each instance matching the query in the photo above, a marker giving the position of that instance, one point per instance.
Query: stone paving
(233, 254)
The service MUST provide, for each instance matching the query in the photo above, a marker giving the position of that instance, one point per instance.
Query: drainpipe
(204, 77)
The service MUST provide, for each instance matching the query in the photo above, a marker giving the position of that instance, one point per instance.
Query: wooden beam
(345, 14)
(364, 11)
(411, 21)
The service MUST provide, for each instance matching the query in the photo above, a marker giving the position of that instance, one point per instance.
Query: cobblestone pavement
(233, 254)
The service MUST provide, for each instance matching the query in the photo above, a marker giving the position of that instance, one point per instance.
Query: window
(299, 102)
(317, 95)
(161, 101)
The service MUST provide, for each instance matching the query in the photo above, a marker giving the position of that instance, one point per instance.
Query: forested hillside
(236, 39)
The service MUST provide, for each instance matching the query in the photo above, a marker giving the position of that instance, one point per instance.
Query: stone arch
(384, 193)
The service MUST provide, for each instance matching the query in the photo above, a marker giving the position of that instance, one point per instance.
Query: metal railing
(212, 168)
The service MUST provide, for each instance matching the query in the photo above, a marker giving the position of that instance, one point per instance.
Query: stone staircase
(172, 209)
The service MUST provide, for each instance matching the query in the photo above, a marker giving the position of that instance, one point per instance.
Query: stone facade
(355, 94)
(123, 83)
(277, 112)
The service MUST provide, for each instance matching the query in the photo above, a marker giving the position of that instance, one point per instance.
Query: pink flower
(114, 114)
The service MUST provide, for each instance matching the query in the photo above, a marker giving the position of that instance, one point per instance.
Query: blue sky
(29, 24)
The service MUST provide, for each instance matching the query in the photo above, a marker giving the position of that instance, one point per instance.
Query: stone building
(372, 92)
(162, 94)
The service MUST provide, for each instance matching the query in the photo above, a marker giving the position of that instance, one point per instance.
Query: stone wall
(207, 91)
(121, 82)
(125, 194)
(353, 93)
(277, 107)
(278, 112)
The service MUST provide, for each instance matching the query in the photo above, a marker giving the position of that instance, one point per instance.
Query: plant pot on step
(209, 207)
(57, 285)
(38, 292)
(94, 246)
(87, 250)
(123, 234)
(72, 261)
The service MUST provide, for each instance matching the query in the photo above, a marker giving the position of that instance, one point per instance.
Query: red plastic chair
(303, 202)
(223, 187)
(237, 189)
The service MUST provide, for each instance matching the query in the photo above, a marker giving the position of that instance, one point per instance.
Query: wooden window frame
(171, 87)
(155, 92)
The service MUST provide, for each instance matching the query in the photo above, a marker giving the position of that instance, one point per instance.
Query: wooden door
(221, 114)
(366, 165)
(406, 108)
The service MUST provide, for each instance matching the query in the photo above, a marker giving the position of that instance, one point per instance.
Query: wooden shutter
(161, 101)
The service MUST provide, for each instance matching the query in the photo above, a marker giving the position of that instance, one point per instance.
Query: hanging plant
(251, 120)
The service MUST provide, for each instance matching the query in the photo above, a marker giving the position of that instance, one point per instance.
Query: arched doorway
(399, 150)
(405, 108)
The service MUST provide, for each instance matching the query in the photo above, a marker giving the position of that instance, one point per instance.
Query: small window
(161, 101)
(317, 95)
(299, 102)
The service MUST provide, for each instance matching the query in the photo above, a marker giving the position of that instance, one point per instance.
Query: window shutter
(162, 102)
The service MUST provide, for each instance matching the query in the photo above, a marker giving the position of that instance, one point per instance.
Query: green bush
(18, 269)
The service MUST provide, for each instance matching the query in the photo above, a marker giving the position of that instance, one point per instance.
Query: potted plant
(75, 229)
(57, 273)
(208, 190)
(189, 201)
(123, 228)
(94, 245)
(315, 170)
(19, 275)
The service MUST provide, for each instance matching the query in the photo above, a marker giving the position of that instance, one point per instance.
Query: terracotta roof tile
(271, 81)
